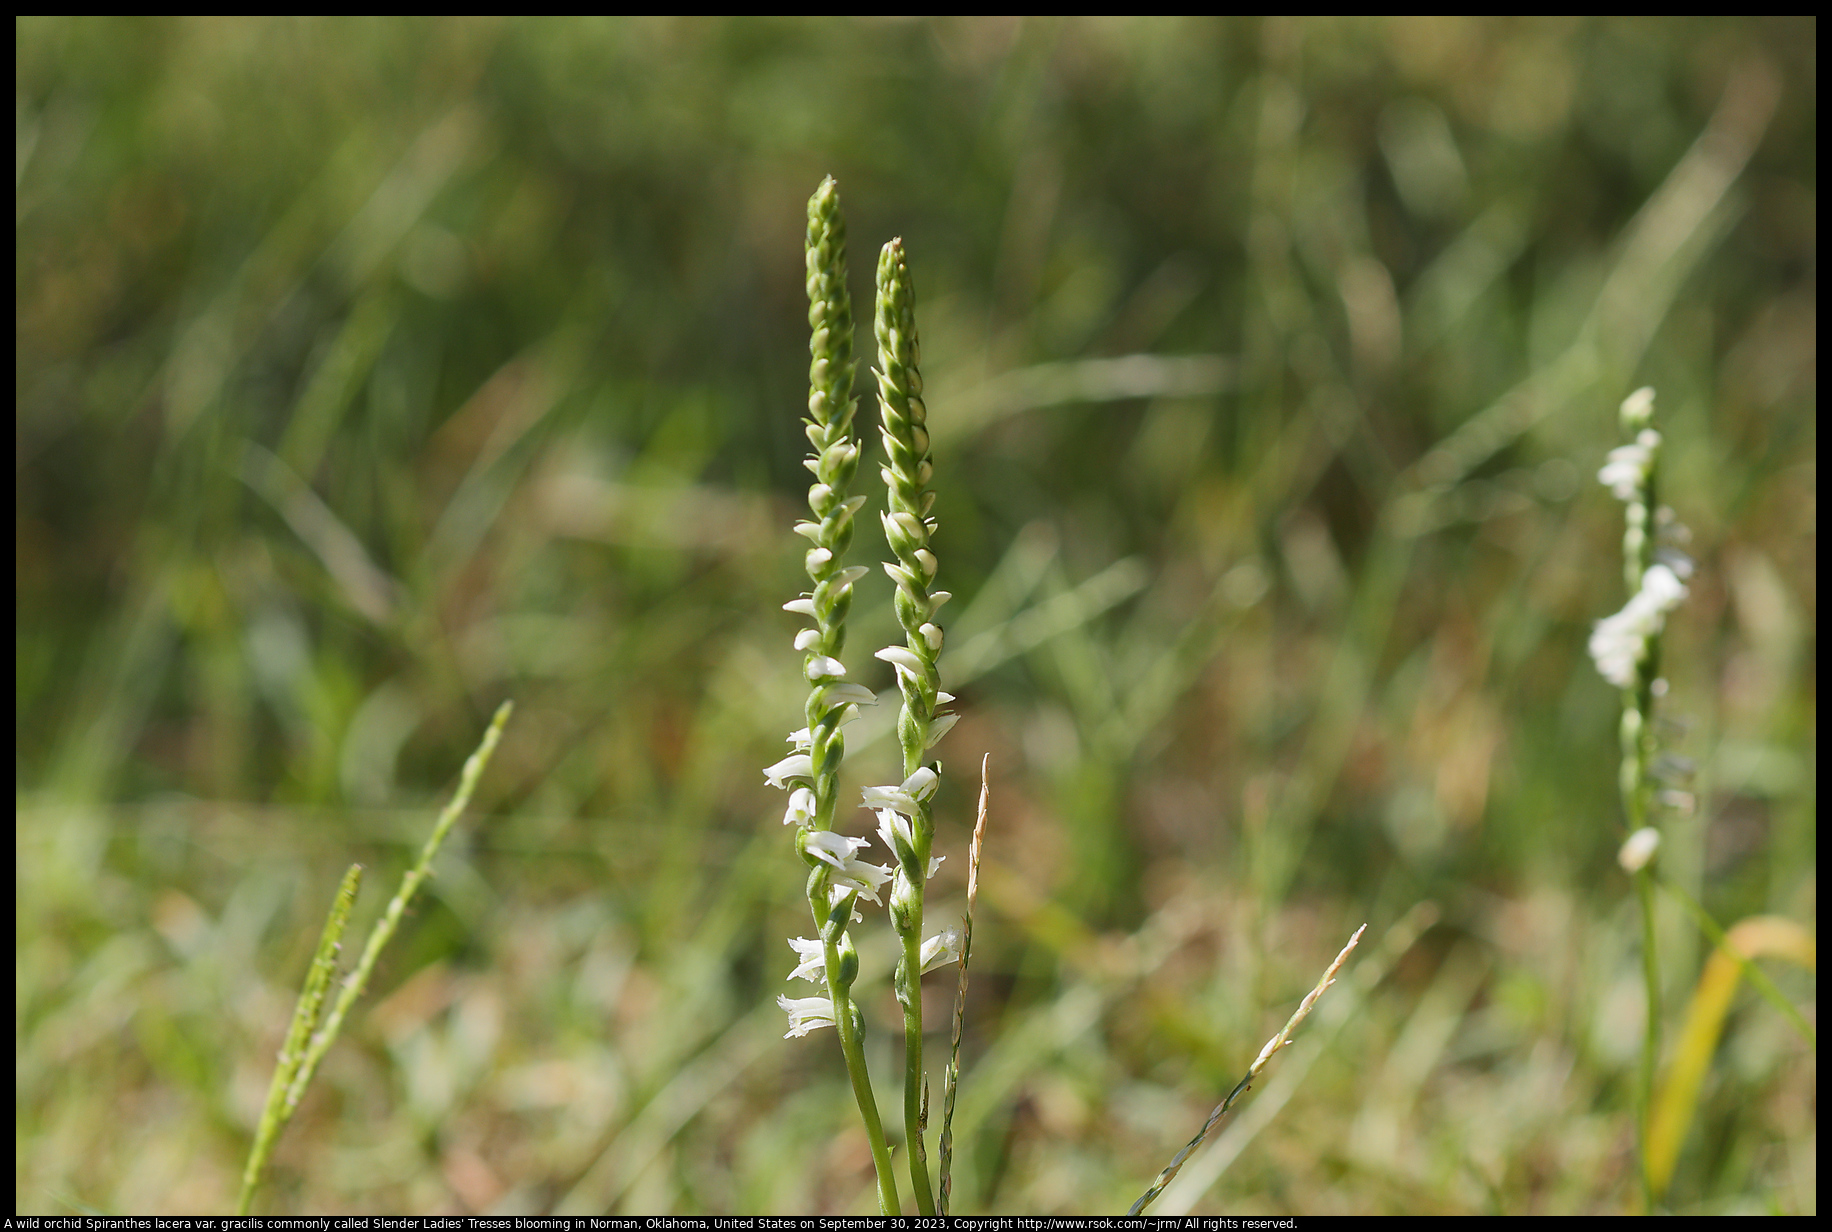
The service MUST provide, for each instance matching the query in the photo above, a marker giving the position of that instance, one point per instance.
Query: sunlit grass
(369, 372)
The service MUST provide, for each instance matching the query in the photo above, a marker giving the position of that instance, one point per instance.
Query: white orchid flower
(849, 871)
(813, 960)
(806, 1014)
(794, 766)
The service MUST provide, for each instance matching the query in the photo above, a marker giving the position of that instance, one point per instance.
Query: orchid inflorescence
(1626, 645)
(1626, 649)
(1621, 644)
(839, 877)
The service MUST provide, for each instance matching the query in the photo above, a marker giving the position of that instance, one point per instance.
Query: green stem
(1636, 781)
(1637, 741)
(909, 897)
(851, 1028)
(915, 1110)
(1650, 1039)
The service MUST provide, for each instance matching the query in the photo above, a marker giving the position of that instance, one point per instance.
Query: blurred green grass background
(371, 371)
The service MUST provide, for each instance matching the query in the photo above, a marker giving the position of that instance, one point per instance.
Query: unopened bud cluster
(908, 523)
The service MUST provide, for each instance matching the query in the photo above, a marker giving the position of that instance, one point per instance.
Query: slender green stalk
(843, 968)
(837, 878)
(309, 1038)
(1273, 1045)
(1650, 1036)
(910, 830)
(1626, 648)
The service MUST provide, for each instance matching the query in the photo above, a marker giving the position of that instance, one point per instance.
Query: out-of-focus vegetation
(371, 371)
